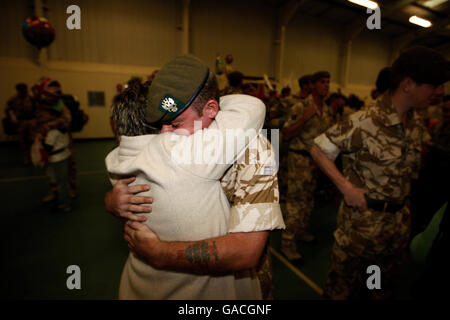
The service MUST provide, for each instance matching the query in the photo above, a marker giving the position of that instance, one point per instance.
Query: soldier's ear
(211, 109)
(407, 85)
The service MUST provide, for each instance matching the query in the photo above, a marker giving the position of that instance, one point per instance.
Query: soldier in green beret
(382, 144)
(179, 96)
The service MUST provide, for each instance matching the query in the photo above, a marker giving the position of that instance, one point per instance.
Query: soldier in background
(235, 82)
(307, 119)
(337, 102)
(306, 86)
(383, 145)
(20, 112)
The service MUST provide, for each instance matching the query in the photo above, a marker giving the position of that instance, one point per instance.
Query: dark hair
(383, 81)
(21, 86)
(210, 91)
(128, 111)
(320, 75)
(235, 79)
(335, 95)
(286, 90)
(305, 80)
(354, 102)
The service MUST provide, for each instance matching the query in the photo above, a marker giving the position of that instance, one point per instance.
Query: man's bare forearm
(330, 169)
(229, 253)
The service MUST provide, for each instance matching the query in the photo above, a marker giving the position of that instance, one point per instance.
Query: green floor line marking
(308, 281)
(19, 179)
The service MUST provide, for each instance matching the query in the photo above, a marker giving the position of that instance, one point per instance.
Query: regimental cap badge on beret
(170, 104)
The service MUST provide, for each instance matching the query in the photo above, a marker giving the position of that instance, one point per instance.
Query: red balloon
(38, 31)
(229, 59)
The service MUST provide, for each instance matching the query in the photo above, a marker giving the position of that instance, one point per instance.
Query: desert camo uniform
(301, 182)
(383, 156)
(251, 186)
(230, 90)
(284, 108)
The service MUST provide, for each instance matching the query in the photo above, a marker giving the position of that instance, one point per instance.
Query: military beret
(174, 88)
(319, 75)
(423, 65)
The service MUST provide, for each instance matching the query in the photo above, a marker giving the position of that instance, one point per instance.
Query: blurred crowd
(43, 122)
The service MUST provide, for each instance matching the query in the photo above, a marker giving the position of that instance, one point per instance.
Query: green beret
(423, 65)
(319, 75)
(174, 88)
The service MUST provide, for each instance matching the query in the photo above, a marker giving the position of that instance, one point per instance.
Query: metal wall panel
(244, 29)
(133, 32)
(13, 43)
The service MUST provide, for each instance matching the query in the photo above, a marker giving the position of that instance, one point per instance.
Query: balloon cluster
(223, 65)
(38, 31)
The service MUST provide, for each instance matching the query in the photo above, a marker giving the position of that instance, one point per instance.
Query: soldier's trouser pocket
(373, 233)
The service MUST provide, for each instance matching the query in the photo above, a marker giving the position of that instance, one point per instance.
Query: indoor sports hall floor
(38, 245)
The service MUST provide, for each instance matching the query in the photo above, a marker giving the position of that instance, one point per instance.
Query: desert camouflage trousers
(265, 275)
(300, 194)
(361, 240)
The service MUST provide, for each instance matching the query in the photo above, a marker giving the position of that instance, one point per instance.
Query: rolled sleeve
(255, 217)
(327, 147)
(253, 190)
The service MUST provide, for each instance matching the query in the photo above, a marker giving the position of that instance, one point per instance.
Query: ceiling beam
(355, 27)
(404, 40)
(287, 11)
(432, 11)
(423, 32)
(285, 14)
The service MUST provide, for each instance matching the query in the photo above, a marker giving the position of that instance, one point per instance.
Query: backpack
(79, 118)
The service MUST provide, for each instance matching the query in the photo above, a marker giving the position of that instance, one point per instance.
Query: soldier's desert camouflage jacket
(251, 186)
(383, 154)
(317, 124)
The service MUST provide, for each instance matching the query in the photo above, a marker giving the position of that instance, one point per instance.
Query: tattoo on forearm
(215, 251)
(200, 253)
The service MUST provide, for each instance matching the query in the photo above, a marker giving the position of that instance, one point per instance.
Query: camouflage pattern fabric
(361, 240)
(301, 177)
(265, 275)
(383, 155)
(300, 195)
(251, 186)
(230, 90)
(317, 124)
(289, 102)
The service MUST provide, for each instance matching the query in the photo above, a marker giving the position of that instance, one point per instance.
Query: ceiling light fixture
(420, 22)
(433, 3)
(366, 3)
